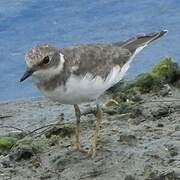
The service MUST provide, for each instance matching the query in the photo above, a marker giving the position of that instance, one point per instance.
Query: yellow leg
(78, 115)
(99, 115)
(77, 145)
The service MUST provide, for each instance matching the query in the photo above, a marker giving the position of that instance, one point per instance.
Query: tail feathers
(142, 40)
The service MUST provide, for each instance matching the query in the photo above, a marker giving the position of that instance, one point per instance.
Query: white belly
(78, 90)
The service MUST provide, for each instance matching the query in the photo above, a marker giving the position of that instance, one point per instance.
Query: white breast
(78, 89)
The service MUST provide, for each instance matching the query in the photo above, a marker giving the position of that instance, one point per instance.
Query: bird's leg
(99, 115)
(78, 115)
(77, 145)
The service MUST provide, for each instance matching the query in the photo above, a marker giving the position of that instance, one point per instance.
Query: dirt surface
(143, 147)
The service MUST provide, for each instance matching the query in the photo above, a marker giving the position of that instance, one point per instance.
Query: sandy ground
(143, 147)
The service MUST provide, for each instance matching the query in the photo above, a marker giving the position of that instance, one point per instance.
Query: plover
(82, 73)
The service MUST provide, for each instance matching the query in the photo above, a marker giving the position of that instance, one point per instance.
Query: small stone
(21, 153)
(128, 139)
(177, 128)
(165, 91)
(169, 175)
(6, 164)
(160, 125)
(149, 172)
(35, 162)
(171, 161)
(45, 176)
(173, 151)
(135, 121)
(129, 177)
(62, 161)
(160, 112)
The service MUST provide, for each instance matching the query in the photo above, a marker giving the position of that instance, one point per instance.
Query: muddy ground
(145, 146)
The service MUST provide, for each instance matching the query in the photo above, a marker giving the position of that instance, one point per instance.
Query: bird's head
(43, 62)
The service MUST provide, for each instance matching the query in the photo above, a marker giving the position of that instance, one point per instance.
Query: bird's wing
(97, 60)
(140, 40)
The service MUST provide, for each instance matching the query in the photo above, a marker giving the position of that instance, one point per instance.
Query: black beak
(28, 73)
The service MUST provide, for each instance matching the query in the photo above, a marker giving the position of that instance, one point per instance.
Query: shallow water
(67, 22)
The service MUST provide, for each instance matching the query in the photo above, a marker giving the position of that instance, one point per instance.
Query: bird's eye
(46, 60)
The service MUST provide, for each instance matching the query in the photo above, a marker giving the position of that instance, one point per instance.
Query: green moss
(166, 71)
(145, 83)
(36, 145)
(125, 91)
(6, 143)
(133, 109)
(24, 141)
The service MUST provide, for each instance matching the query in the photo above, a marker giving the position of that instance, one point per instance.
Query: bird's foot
(77, 147)
(91, 153)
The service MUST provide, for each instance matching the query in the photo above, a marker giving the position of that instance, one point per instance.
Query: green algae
(166, 71)
(6, 143)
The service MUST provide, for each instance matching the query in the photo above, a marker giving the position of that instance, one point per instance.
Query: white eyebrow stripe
(62, 57)
(61, 64)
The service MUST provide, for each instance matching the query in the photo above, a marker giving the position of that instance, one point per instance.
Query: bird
(82, 73)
